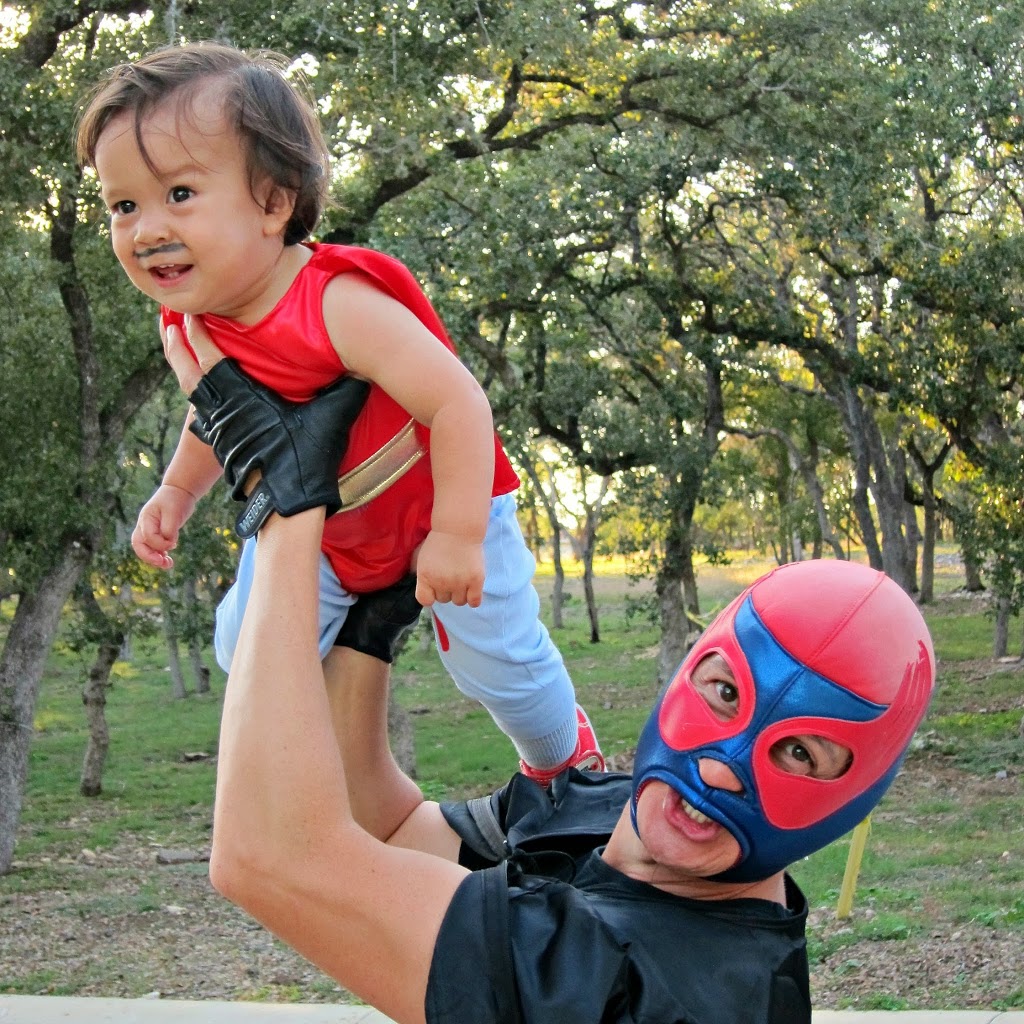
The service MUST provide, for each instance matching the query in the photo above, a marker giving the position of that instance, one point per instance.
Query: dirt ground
(955, 965)
(126, 923)
(139, 920)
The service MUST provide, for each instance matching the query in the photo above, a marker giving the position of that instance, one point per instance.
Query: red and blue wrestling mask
(819, 648)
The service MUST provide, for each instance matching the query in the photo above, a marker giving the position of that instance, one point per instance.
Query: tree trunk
(825, 534)
(29, 640)
(679, 610)
(178, 690)
(913, 541)
(588, 591)
(874, 476)
(853, 418)
(592, 520)
(880, 475)
(110, 637)
(126, 598)
(533, 527)
(926, 595)
(200, 671)
(888, 488)
(973, 582)
(1001, 637)
(929, 500)
(672, 611)
(549, 500)
(691, 596)
(558, 588)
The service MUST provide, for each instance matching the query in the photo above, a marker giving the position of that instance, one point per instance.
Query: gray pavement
(64, 1009)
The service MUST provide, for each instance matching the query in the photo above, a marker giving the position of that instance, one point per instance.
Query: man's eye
(800, 753)
(728, 693)
(793, 757)
(819, 758)
(180, 193)
(713, 680)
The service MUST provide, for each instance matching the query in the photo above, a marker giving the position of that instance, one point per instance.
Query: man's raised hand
(278, 456)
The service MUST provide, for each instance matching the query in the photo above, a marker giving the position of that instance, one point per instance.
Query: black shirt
(554, 935)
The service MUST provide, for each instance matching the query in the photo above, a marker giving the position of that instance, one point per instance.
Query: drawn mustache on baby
(159, 250)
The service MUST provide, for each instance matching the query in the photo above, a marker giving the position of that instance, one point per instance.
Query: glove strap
(257, 511)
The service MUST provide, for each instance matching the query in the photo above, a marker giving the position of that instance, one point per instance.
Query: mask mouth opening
(693, 797)
(639, 791)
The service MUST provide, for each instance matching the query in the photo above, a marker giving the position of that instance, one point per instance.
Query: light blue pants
(499, 654)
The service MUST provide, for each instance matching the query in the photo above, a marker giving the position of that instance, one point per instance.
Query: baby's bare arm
(188, 477)
(380, 339)
(193, 467)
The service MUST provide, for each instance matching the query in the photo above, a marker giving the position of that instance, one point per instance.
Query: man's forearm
(285, 845)
(279, 766)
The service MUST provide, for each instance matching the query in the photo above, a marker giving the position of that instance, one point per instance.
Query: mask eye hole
(713, 680)
(812, 757)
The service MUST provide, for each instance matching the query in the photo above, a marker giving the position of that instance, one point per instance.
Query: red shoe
(586, 757)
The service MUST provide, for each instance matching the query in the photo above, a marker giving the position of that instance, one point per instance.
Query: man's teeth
(694, 814)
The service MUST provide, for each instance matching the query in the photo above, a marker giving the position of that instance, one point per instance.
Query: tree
(406, 94)
(902, 220)
(58, 505)
(107, 634)
(626, 212)
(546, 489)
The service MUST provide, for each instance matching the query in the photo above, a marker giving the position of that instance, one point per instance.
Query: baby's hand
(449, 568)
(160, 520)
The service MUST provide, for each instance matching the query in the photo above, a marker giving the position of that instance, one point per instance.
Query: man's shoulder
(576, 812)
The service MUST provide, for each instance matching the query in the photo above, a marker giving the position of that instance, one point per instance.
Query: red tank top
(369, 547)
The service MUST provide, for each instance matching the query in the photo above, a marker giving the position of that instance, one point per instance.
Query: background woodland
(734, 274)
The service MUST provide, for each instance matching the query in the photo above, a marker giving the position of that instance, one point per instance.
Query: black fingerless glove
(297, 446)
(378, 622)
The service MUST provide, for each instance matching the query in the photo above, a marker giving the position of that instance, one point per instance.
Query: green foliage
(611, 205)
(724, 251)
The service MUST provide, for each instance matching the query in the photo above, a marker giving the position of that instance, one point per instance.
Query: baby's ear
(278, 208)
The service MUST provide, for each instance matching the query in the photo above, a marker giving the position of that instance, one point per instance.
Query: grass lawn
(952, 825)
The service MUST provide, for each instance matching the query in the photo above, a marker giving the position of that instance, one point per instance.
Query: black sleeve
(575, 814)
(479, 823)
(508, 954)
(470, 975)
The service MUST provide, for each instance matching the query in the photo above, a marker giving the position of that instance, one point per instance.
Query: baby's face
(184, 222)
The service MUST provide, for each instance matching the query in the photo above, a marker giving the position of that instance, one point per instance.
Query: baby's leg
(334, 604)
(502, 655)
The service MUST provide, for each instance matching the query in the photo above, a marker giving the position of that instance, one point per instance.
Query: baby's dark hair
(274, 117)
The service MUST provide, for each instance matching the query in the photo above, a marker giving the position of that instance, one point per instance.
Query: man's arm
(286, 847)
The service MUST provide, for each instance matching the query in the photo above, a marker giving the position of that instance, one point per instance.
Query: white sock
(551, 750)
